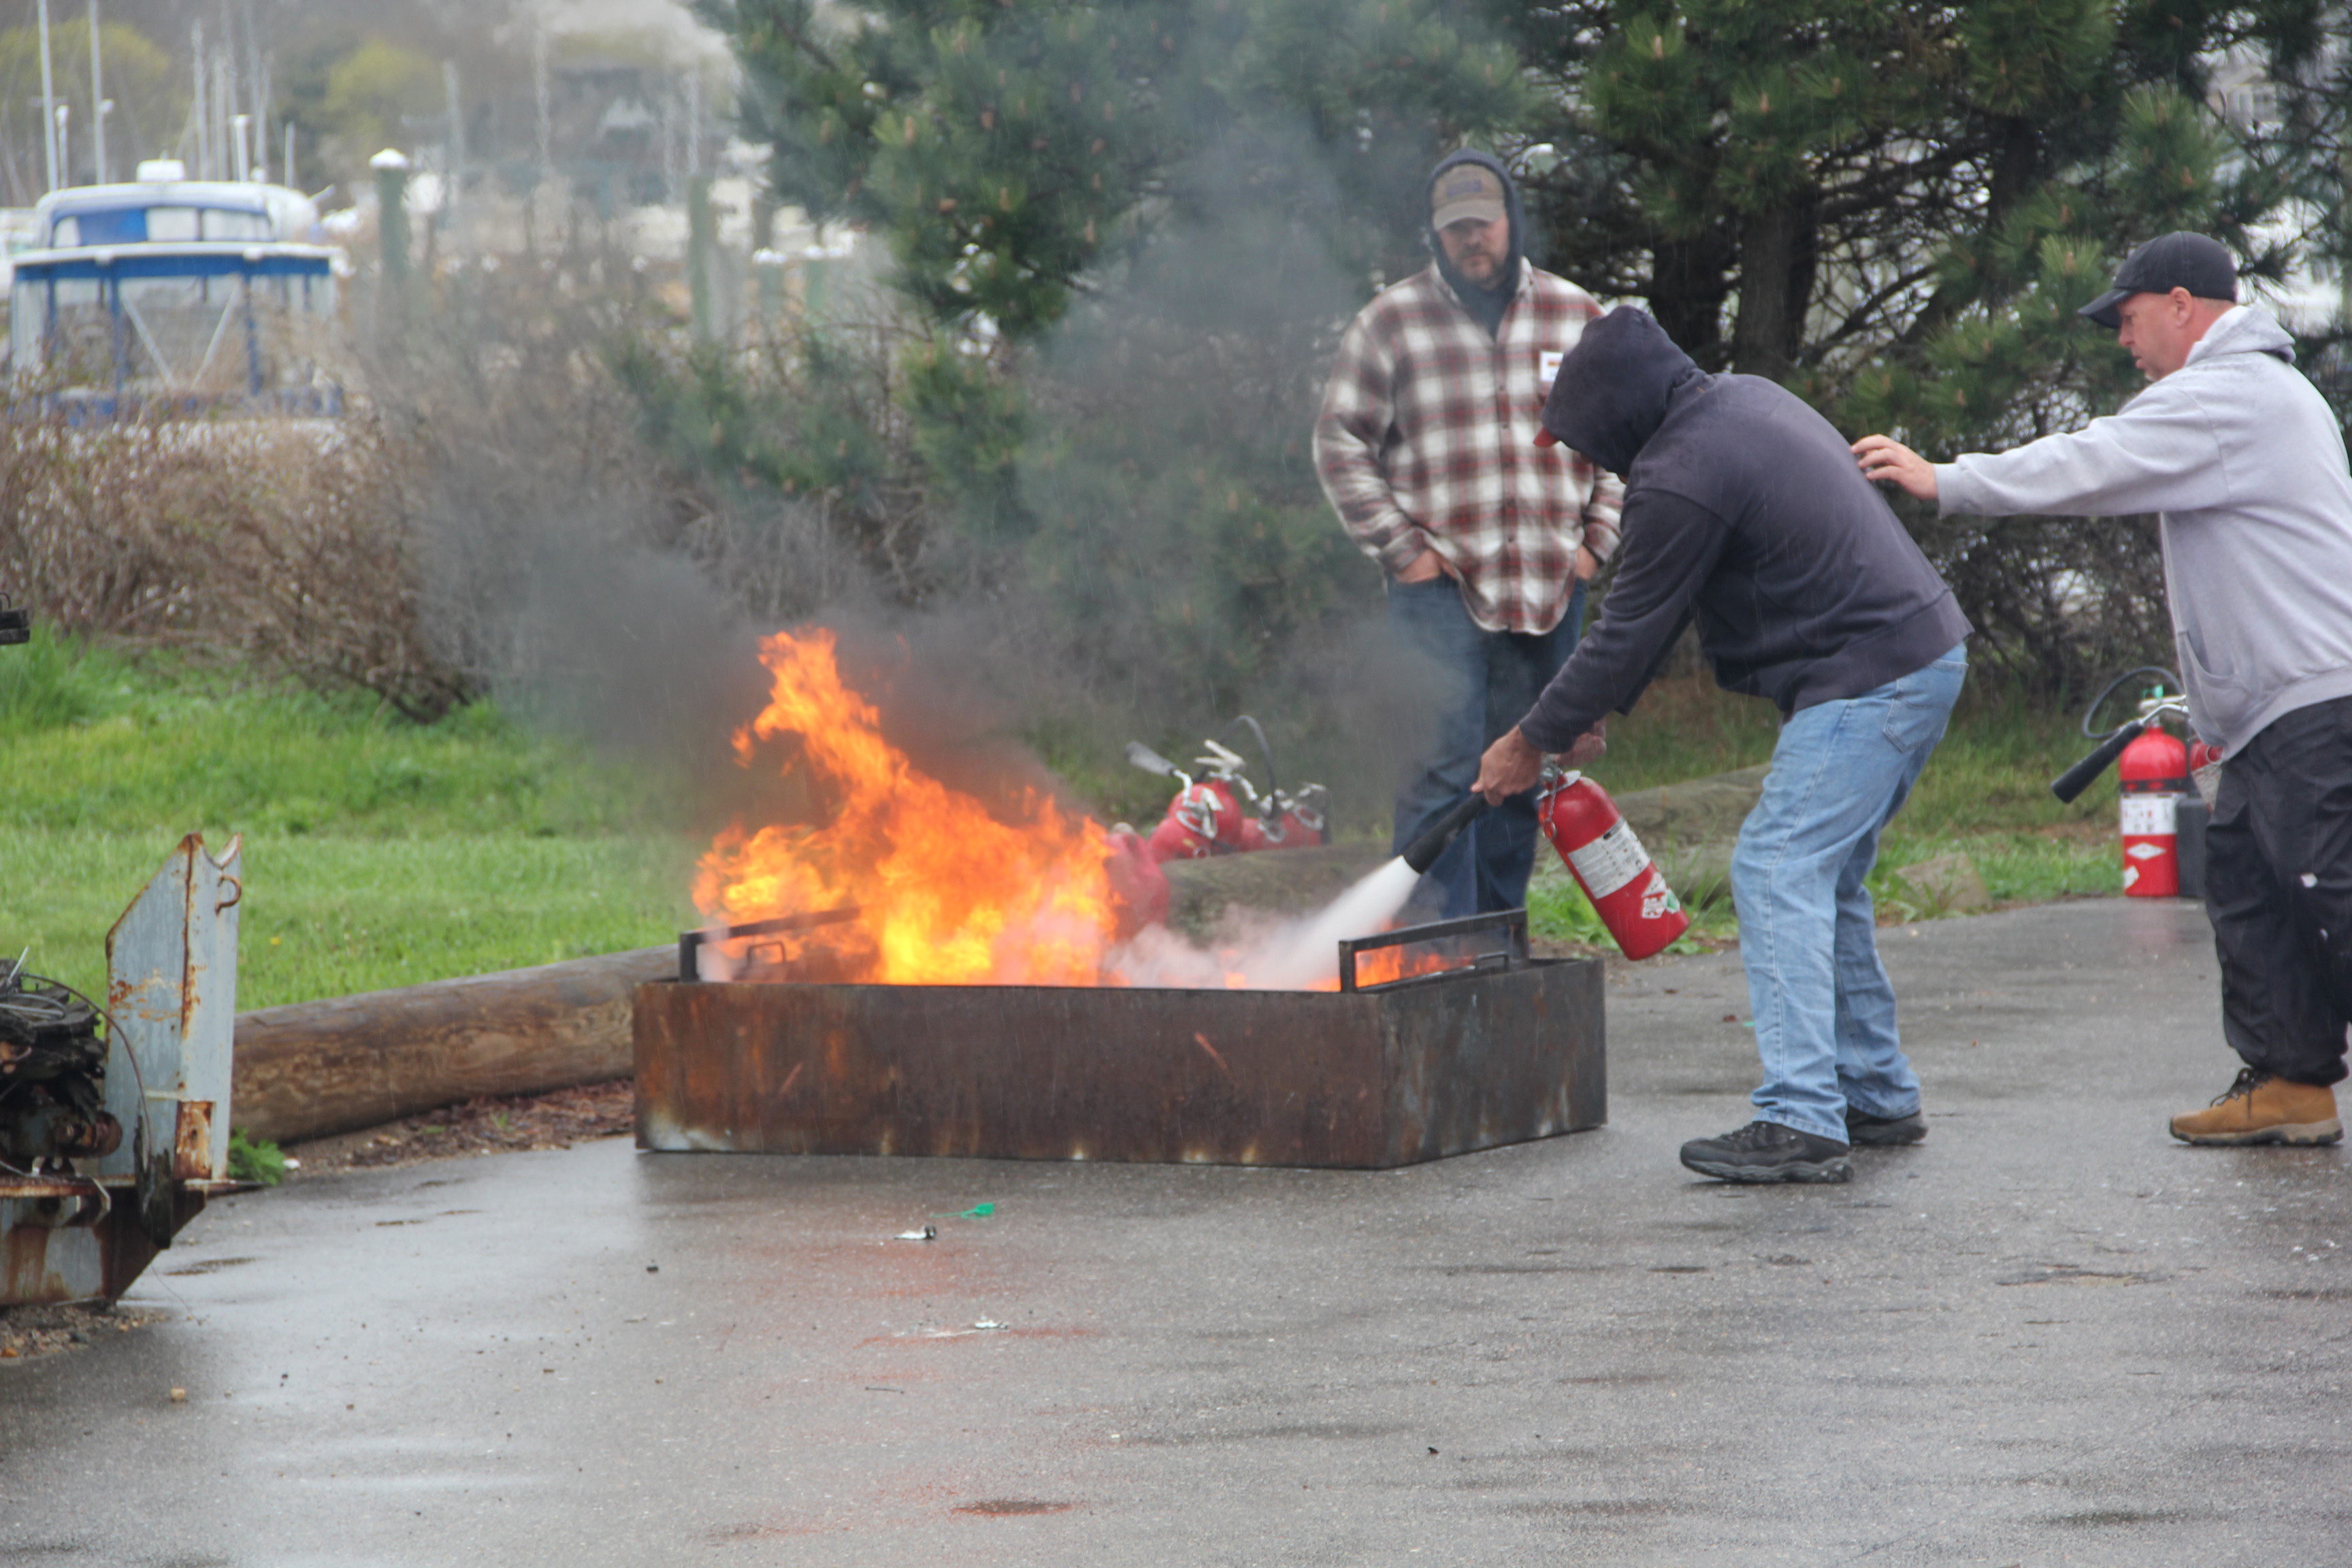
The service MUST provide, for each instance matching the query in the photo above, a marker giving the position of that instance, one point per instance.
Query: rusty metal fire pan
(1504, 1051)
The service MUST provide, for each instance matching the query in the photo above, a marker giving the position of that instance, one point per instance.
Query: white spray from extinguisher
(1311, 955)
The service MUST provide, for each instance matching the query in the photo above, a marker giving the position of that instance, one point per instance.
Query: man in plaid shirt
(1425, 448)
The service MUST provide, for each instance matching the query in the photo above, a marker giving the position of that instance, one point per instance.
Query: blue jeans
(1823, 1008)
(1482, 683)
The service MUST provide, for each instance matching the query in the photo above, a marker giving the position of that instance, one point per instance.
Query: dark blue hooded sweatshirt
(1744, 509)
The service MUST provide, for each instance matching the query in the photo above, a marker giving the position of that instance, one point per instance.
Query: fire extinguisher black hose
(2109, 691)
(1424, 851)
(1266, 754)
(2077, 779)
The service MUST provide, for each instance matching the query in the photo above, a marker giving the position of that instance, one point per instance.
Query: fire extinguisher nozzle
(2078, 778)
(1424, 851)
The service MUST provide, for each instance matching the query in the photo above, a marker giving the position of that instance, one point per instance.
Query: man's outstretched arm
(2158, 454)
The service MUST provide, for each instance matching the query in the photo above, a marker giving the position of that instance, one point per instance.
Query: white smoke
(1259, 952)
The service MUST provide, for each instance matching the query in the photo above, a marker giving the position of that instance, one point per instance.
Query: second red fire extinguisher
(2153, 774)
(1629, 893)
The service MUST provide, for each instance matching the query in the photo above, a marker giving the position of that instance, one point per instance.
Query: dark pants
(2278, 887)
(1482, 683)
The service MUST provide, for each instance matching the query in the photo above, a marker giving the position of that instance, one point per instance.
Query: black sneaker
(1768, 1152)
(1867, 1131)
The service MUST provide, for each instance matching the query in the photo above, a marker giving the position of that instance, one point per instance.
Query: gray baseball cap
(2169, 261)
(1466, 190)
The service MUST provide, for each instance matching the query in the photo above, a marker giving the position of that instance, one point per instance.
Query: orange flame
(948, 894)
(1384, 965)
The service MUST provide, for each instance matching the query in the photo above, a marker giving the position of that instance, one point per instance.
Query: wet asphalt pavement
(2049, 1335)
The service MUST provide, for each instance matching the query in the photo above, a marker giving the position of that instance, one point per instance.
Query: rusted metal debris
(1380, 1077)
(82, 1217)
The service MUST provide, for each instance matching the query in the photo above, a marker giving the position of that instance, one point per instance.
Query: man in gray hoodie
(2245, 464)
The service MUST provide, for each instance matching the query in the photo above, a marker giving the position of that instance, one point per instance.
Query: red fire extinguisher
(2153, 772)
(2201, 757)
(1223, 813)
(1616, 873)
(1296, 821)
(1204, 819)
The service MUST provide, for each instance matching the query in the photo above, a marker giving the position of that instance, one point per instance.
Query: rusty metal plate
(60, 1241)
(1374, 1079)
(192, 1144)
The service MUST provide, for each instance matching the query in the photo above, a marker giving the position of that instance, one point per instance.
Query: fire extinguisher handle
(2077, 779)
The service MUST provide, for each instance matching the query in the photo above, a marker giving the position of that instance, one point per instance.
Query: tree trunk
(1776, 253)
(2016, 168)
(1688, 284)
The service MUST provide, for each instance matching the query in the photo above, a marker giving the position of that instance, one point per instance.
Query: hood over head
(1611, 392)
(1486, 304)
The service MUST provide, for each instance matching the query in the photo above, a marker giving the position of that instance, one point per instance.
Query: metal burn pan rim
(1410, 983)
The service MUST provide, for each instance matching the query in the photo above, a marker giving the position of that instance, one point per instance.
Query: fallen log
(308, 1069)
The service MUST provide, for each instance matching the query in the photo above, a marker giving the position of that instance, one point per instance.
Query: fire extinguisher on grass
(1222, 813)
(1628, 890)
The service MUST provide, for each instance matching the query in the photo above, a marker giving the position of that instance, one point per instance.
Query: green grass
(376, 852)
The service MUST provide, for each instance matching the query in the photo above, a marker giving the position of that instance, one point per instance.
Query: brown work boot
(2259, 1109)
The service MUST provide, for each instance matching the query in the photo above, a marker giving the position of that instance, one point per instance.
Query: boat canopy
(173, 211)
(197, 322)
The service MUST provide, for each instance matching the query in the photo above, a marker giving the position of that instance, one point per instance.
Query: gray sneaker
(1768, 1152)
(1867, 1131)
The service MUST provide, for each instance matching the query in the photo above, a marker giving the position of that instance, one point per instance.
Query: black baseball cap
(2169, 261)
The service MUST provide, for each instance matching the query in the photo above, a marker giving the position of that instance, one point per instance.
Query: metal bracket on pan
(689, 942)
(1512, 923)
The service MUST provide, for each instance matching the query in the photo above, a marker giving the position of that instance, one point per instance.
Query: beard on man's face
(1479, 257)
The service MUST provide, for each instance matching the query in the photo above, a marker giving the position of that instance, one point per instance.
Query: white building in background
(19, 232)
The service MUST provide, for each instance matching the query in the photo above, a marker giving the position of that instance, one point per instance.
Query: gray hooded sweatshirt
(2241, 456)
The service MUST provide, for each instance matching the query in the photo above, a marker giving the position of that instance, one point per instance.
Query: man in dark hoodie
(1422, 447)
(1744, 510)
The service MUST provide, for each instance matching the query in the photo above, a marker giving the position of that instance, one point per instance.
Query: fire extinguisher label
(1658, 900)
(1610, 861)
(2149, 815)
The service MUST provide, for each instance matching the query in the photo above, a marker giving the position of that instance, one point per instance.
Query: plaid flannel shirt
(1426, 441)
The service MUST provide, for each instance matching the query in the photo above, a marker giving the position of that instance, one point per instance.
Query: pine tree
(1786, 181)
(1129, 231)
(1010, 152)
(1896, 208)
(1129, 226)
